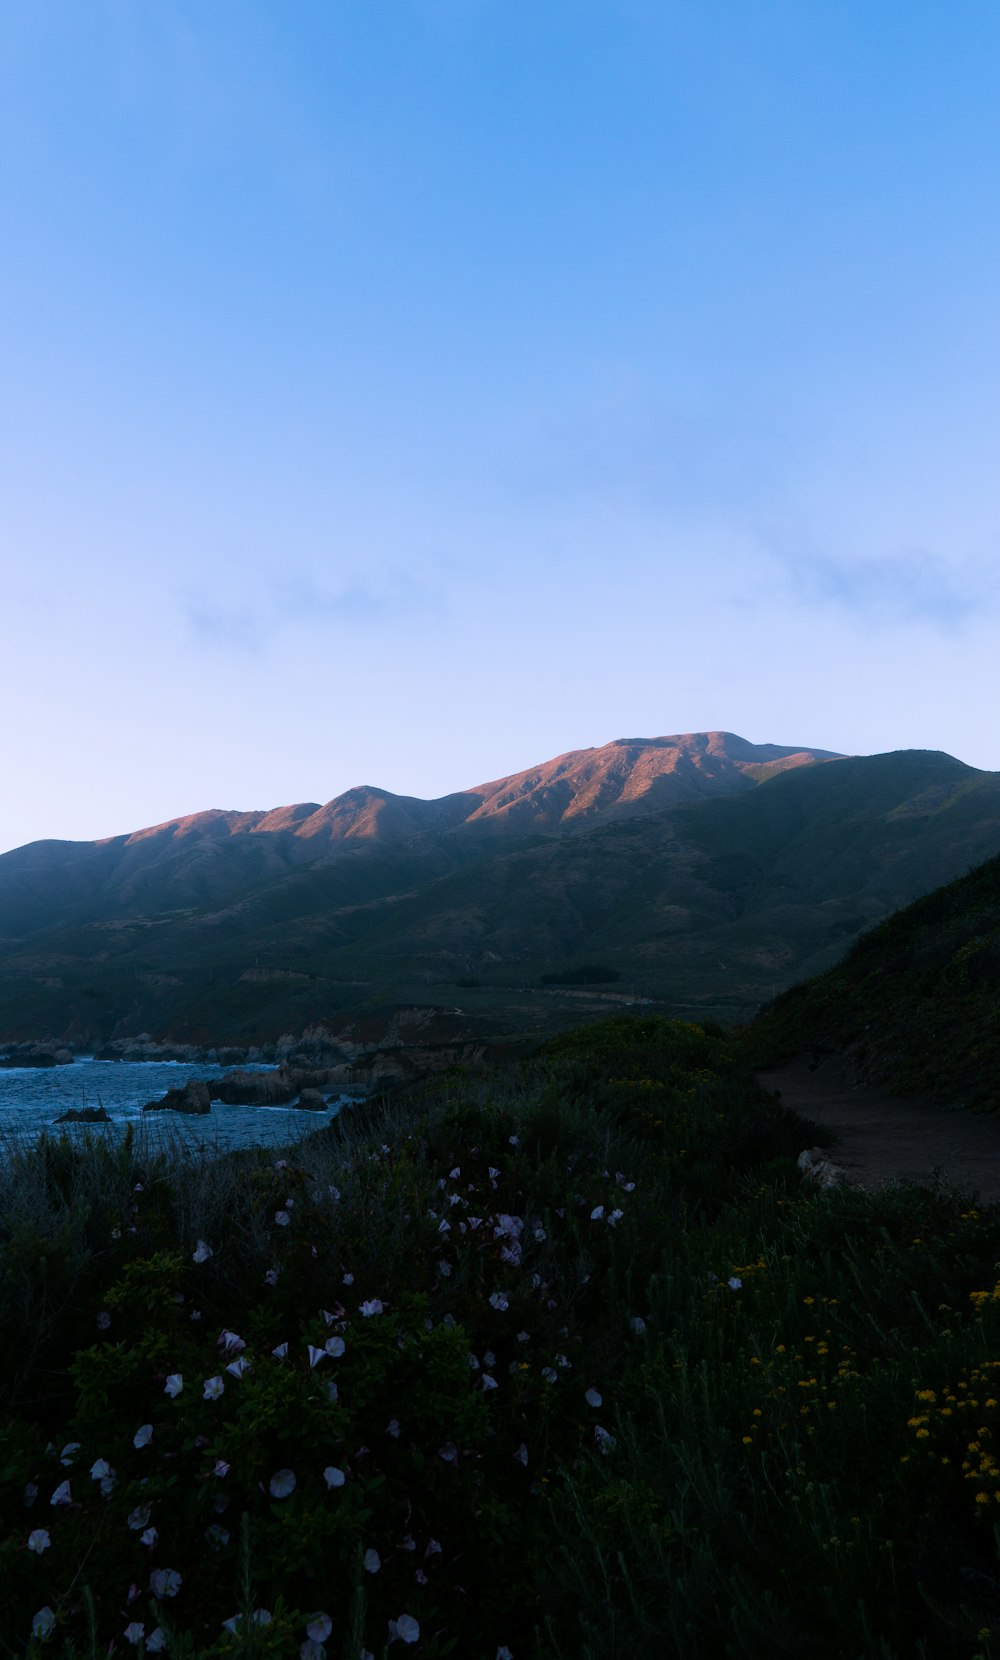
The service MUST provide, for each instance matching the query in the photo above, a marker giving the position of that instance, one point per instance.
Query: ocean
(32, 1097)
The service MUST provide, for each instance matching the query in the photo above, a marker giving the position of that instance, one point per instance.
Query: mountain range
(698, 870)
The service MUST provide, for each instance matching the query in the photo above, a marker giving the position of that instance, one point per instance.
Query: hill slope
(915, 1004)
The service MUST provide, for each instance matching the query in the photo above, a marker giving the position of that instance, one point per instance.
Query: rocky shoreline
(374, 1052)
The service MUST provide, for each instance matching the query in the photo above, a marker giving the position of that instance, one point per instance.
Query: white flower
(281, 1218)
(103, 1320)
(238, 1367)
(348, 1279)
(606, 1442)
(319, 1627)
(173, 1385)
(492, 1172)
(39, 1540)
(229, 1342)
(372, 1306)
(135, 1632)
(522, 1454)
(735, 1284)
(67, 1455)
(498, 1300)
(282, 1483)
(373, 1561)
(236, 1622)
(638, 1324)
(201, 1252)
(149, 1539)
(593, 1398)
(43, 1624)
(332, 1392)
(597, 1213)
(271, 1277)
(214, 1387)
(62, 1494)
(449, 1452)
(280, 1352)
(316, 1355)
(334, 1346)
(488, 1382)
(503, 1653)
(221, 1468)
(310, 1650)
(615, 1218)
(392, 1428)
(156, 1640)
(406, 1628)
(548, 1374)
(433, 1548)
(334, 1477)
(143, 1436)
(217, 1536)
(139, 1517)
(444, 1269)
(165, 1582)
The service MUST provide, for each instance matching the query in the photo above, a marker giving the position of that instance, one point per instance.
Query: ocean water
(32, 1097)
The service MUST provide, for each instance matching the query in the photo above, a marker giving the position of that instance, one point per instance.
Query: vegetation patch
(561, 1362)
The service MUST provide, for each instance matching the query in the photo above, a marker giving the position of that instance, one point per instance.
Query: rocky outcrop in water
(84, 1115)
(36, 1054)
(192, 1097)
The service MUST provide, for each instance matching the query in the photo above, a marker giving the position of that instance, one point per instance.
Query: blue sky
(405, 393)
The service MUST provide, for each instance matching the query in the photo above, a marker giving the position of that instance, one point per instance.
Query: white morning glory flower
(201, 1252)
(149, 1539)
(44, 1623)
(406, 1628)
(230, 1342)
(173, 1385)
(282, 1483)
(498, 1300)
(39, 1540)
(67, 1455)
(489, 1382)
(444, 1269)
(735, 1284)
(281, 1218)
(373, 1561)
(280, 1352)
(139, 1517)
(449, 1452)
(143, 1436)
(522, 1454)
(214, 1387)
(156, 1641)
(319, 1627)
(593, 1398)
(238, 1367)
(103, 1320)
(62, 1494)
(310, 1650)
(135, 1632)
(392, 1428)
(165, 1582)
(334, 1477)
(316, 1355)
(597, 1213)
(372, 1306)
(615, 1218)
(335, 1346)
(217, 1536)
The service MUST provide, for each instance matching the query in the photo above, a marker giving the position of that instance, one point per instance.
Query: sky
(407, 393)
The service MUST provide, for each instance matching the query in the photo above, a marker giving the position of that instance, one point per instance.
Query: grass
(574, 1369)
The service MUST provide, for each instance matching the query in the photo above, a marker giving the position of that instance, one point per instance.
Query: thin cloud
(916, 587)
(298, 602)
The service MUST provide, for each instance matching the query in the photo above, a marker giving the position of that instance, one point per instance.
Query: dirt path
(880, 1136)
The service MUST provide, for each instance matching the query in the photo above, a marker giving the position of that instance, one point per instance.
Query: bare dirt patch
(883, 1137)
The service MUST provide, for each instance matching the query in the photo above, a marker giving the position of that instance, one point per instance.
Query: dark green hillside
(916, 1002)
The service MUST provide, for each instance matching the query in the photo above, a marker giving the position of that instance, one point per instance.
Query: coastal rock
(817, 1168)
(192, 1097)
(253, 1089)
(84, 1115)
(36, 1054)
(311, 1100)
